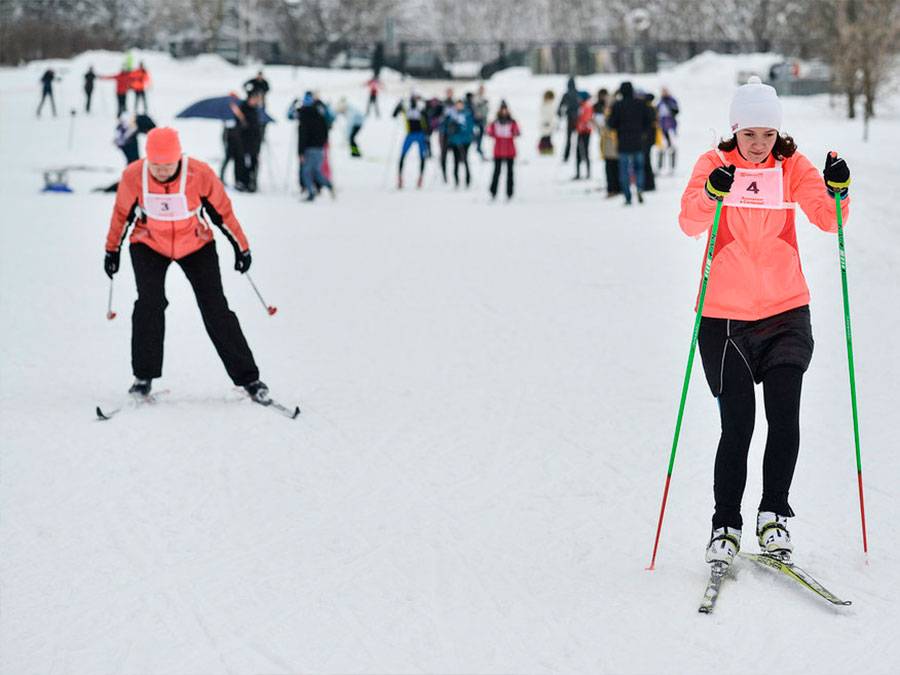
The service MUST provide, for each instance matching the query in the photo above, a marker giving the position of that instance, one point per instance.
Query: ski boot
(258, 391)
(774, 538)
(724, 544)
(140, 389)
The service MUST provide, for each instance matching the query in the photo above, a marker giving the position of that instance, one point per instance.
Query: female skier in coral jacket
(756, 326)
(171, 199)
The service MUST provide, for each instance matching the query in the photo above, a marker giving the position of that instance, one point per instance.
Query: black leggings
(461, 156)
(148, 320)
(737, 407)
(510, 181)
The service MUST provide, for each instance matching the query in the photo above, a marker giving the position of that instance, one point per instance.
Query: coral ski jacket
(189, 230)
(756, 269)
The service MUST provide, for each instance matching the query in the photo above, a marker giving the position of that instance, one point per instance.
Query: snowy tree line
(859, 39)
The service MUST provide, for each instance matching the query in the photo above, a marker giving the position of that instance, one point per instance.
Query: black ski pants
(45, 94)
(495, 181)
(582, 154)
(148, 322)
(461, 156)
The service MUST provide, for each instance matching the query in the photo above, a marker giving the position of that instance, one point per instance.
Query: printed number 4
(753, 188)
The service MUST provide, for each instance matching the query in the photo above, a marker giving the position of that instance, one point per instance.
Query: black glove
(242, 261)
(837, 175)
(718, 185)
(111, 263)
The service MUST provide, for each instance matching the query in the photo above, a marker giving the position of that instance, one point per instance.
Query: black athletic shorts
(781, 340)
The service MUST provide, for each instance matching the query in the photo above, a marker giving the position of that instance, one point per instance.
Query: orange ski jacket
(206, 203)
(756, 271)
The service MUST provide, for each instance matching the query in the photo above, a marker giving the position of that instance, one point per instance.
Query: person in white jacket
(355, 121)
(547, 118)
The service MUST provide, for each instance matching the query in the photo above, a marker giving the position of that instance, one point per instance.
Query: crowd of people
(633, 129)
(630, 125)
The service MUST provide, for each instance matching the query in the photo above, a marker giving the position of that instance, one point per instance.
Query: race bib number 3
(757, 189)
(166, 206)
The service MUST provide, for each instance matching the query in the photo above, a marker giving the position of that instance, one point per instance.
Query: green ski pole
(840, 224)
(687, 373)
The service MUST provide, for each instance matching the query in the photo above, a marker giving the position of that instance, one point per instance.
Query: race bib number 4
(756, 189)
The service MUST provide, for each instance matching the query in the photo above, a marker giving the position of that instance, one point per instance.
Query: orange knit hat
(163, 146)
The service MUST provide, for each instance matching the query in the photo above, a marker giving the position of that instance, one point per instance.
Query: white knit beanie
(755, 105)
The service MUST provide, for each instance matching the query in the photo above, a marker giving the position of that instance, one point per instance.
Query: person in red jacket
(504, 130)
(123, 85)
(172, 200)
(755, 325)
(583, 125)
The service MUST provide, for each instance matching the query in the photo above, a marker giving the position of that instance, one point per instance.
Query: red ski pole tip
(272, 310)
(110, 315)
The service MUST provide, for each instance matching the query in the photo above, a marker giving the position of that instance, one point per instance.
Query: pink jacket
(504, 133)
(756, 270)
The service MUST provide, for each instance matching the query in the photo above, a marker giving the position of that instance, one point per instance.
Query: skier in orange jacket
(172, 200)
(140, 80)
(755, 326)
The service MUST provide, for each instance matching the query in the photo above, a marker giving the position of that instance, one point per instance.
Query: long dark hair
(784, 146)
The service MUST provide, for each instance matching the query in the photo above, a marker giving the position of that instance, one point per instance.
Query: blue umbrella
(219, 108)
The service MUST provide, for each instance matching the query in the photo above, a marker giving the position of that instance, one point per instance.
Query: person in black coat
(47, 90)
(569, 105)
(243, 140)
(631, 119)
(89, 78)
(311, 139)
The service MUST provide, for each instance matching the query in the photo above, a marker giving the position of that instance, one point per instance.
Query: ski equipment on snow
(131, 401)
(110, 314)
(687, 373)
(791, 570)
(269, 402)
(269, 308)
(840, 224)
(717, 572)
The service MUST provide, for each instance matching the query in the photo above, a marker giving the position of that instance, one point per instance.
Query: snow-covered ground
(489, 394)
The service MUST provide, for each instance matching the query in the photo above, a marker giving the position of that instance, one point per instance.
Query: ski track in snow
(488, 395)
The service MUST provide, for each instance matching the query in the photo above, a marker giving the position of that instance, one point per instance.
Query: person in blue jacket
(459, 127)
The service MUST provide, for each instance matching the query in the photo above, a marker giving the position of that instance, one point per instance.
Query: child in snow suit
(547, 122)
(504, 130)
(755, 326)
(172, 200)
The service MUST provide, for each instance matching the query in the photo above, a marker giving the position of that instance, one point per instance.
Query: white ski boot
(724, 545)
(774, 538)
